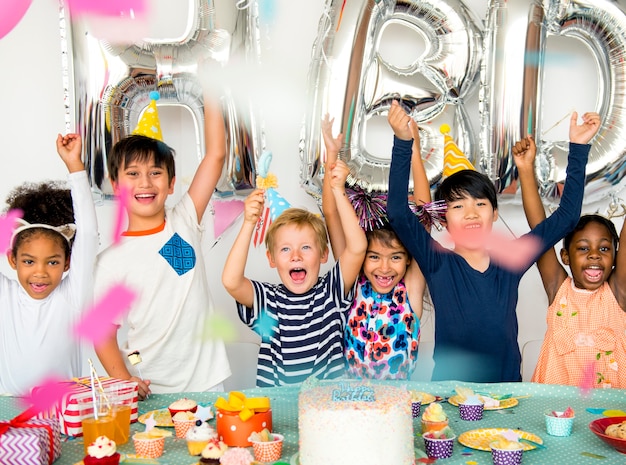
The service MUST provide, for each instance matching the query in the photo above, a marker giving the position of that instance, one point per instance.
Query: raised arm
(550, 269)
(210, 168)
(69, 148)
(351, 259)
(329, 206)
(233, 276)
(617, 280)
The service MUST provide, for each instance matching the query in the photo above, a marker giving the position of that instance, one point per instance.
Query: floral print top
(382, 333)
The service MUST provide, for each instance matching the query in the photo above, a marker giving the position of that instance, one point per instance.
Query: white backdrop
(31, 98)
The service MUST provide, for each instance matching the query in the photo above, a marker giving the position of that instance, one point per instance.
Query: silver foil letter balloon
(111, 83)
(510, 101)
(351, 81)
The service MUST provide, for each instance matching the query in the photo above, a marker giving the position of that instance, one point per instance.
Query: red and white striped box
(69, 411)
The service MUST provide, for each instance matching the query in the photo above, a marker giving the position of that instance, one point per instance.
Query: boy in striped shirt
(300, 320)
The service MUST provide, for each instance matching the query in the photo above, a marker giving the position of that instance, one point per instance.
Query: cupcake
(150, 444)
(199, 436)
(506, 450)
(102, 452)
(267, 446)
(434, 418)
(182, 405)
(183, 421)
(237, 456)
(212, 452)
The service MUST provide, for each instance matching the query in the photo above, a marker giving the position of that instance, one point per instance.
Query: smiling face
(384, 266)
(40, 262)
(297, 256)
(590, 256)
(147, 186)
(469, 221)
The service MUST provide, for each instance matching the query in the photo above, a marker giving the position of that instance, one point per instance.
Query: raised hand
(333, 144)
(339, 175)
(253, 206)
(524, 152)
(583, 133)
(399, 121)
(69, 149)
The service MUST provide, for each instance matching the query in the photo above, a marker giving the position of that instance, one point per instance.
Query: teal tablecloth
(582, 447)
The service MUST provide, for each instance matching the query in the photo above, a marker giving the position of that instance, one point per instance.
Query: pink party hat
(149, 124)
(453, 159)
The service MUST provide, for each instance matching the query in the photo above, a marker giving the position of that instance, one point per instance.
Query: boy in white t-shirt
(160, 258)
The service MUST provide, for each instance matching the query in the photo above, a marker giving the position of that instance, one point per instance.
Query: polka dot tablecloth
(581, 448)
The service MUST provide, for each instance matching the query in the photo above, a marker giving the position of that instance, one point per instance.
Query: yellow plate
(505, 403)
(161, 416)
(426, 398)
(481, 438)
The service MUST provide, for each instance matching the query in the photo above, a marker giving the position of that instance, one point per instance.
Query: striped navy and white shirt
(301, 334)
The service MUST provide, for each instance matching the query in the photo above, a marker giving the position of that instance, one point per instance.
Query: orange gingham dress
(584, 328)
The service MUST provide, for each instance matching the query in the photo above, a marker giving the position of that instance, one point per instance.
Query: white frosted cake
(358, 423)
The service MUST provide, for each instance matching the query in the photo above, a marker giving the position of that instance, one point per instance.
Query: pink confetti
(586, 384)
(46, 395)
(97, 322)
(123, 198)
(516, 255)
(7, 226)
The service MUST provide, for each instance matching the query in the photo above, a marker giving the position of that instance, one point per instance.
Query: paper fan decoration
(149, 124)
(275, 203)
(453, 159)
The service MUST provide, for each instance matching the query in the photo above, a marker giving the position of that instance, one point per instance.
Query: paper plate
(161, 416)
(505, 403)
(481, 438)
(426, 398)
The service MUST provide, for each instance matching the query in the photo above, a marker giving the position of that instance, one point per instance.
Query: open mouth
(144, 198)
(383, 281)
(297, 275)
(593, 274)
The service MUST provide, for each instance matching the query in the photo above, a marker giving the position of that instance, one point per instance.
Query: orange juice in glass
(93, 428)
(121, 420)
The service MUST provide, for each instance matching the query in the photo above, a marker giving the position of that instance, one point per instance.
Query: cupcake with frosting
(434, 418)
(199, 436)
(102, 451)
(213, 452)
(183, 405)
(237, 456)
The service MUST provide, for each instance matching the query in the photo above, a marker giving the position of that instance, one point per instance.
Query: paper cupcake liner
(507, 457)
(559, 426)
(181, 427)
(268, 451)
(471, 412)
(439, 448)
(150, 448)
(416, 407)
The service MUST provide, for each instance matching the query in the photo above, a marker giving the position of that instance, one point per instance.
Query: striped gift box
(69, 411)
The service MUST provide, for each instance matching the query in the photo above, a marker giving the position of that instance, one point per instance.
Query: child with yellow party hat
(474, 296)
(160, 257)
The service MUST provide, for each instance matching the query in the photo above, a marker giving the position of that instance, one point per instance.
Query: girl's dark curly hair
(47, 202)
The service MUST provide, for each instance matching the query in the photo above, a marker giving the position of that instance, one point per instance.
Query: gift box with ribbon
(240, 416)
(68, 411)
(29, 441)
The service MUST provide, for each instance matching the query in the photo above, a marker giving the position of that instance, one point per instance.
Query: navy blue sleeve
(556, 226)
(406, 225)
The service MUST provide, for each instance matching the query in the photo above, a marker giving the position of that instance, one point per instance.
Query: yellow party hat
(453, 159)
(149, 124)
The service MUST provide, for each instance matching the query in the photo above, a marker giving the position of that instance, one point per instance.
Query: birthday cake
(355, 422)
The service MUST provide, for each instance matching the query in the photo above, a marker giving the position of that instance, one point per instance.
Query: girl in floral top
(381, 337)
